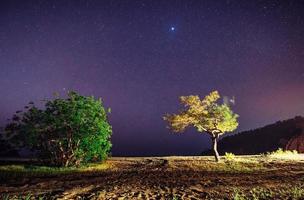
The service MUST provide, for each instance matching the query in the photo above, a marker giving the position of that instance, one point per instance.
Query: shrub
(285, 154)
(229, 156)
(66, 132)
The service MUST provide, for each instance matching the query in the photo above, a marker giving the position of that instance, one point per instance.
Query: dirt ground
(163, 178)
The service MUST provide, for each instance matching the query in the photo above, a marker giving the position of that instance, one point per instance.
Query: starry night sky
(140, 56)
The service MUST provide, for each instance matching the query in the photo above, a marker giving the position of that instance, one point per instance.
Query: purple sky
(140, 56)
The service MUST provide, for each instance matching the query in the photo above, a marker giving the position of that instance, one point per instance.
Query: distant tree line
(261, 140)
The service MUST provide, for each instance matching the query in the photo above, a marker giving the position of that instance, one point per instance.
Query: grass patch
(234, 165)
(23, 197)
(284, 154)
(21, 171)
(294, 192)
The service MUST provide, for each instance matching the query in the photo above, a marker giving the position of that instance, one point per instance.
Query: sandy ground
(162, 178)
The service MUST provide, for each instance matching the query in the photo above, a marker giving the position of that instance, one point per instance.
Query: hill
(287, 134)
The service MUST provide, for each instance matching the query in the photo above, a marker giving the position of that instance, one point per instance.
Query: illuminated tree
(206, 115)
(67, 132)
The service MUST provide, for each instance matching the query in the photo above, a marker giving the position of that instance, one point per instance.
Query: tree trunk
(214, 144)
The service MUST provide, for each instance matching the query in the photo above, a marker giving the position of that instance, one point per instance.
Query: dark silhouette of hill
(287, 134)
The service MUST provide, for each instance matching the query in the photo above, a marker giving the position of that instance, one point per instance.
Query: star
(172, 28)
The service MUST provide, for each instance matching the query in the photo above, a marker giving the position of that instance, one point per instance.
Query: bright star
(172, 28)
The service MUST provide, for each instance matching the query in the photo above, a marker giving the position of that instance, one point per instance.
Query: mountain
(287, 134)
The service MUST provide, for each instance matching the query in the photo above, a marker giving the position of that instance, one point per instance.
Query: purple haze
(140, 56)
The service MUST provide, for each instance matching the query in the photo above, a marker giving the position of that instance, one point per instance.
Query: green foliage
(238, 195)
(241, 165)
(21, 197)
(280, 151)
(175, 197)
(261, 193)
(206, 115)
(67, 132)
(297, 192)
(229, 157)
(283, 154)
(30, 171)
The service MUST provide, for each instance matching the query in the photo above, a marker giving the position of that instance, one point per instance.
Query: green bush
(283, 154)
(67, 132)
(229, 156)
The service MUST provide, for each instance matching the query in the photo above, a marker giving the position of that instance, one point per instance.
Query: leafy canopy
(206, 115)
(67, 132)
